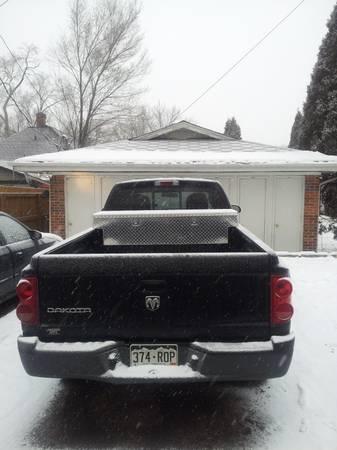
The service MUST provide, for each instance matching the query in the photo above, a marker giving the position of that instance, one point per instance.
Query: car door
(7, 280)
(19, 242)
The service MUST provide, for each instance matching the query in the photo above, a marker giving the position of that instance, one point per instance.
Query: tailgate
(155, 296)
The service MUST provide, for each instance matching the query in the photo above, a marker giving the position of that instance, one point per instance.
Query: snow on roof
(6, 164)
(199, 155)
(182, 146)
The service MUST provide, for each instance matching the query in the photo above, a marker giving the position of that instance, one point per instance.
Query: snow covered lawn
(298, 411)
(326, 240)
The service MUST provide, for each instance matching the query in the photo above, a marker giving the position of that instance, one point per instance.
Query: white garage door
(288, 216)
(272, 208)
(80, 203)
(252, 200)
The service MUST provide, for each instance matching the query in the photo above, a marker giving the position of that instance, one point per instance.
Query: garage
(256, 195)
(277, 188)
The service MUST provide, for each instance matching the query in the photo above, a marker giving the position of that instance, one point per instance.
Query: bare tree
(161, 116)
(14, 71)
(39, 96)
(101, 63)
(144, 120)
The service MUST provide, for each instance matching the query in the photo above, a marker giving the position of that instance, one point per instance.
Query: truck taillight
(281, 307)
(28, 308)
(166, 183)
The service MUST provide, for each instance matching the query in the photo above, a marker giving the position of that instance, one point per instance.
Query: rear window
(157, 195)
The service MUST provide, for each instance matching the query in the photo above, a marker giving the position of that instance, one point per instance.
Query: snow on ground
(326, 241)
(298, 411)
(306, 399)
(21, 396)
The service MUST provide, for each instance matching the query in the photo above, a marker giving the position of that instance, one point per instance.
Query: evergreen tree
(296, 130)
(319, 127)
(228, 126)
(232, 129)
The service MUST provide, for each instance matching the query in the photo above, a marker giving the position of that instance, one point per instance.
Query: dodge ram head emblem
(136, 222)
(152, 302)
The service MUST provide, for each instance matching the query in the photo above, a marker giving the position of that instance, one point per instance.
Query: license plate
(166, 355)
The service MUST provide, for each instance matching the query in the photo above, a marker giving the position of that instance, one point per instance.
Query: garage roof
(180, 147)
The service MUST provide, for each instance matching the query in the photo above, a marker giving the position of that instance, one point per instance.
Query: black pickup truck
(166, 286)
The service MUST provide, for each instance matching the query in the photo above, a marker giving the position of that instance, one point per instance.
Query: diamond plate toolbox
(175, 227)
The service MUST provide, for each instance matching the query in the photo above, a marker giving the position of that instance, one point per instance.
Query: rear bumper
(198, 361)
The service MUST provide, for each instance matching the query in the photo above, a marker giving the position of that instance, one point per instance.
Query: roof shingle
(32, 141)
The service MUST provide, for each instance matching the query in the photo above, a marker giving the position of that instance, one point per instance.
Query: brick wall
(57, 206)
(311, 212)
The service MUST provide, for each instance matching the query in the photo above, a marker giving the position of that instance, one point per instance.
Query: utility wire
(244, 56)
(3, 3)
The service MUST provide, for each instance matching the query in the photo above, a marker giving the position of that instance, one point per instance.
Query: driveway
(298, 411)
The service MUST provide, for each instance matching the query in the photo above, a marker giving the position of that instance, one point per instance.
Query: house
(17, 194)
(277, 188)
(8, 176)
(41, 138)
(33, 141)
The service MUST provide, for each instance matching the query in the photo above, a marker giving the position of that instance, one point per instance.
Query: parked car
(18, 244)
(166, 287)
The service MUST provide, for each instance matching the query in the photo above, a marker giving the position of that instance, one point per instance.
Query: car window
(166, 200)
(12, 231)
(147, 196)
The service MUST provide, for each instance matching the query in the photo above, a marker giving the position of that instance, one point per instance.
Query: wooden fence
(29, 205)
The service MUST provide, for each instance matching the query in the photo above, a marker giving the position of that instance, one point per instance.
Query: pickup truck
(166, 286)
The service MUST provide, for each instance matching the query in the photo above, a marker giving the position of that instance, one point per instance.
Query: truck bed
(105, 287)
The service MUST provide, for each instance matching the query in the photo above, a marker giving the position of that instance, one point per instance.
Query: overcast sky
(192, 42)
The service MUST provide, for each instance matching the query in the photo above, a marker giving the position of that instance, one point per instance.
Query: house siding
(11, 177)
